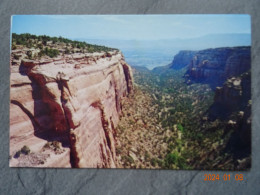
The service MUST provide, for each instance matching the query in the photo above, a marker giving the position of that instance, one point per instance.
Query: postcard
(131, 91)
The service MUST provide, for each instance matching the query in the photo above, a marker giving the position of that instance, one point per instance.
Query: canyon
(65, 109)
(227, 71)
(77, 105)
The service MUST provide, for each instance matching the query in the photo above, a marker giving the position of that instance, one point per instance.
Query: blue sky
(133, 27)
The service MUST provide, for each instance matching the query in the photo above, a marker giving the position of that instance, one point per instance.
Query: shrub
(128, 159)
(180, 127)
(17, 154)
(67, 51)
(25, 150)
(171, 146)
(56, 144)
(118, 150)
(29, 54)
(49, 52)
(29, 44)
(153, 162)
(47, 145)
(14, 46)
(146, 156)
(29, 41)
(40, 46)
(171, 159)
(175, 159)
(16, 57)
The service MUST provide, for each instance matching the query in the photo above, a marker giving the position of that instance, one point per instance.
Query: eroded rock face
(235, 93)
(214, 66)
(182, 59)
(73, 99)
(233, 100)
(233, 96)
(227, 71)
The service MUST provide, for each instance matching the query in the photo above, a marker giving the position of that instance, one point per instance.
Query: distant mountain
(204, 42)
(154, 53)
(216, 40)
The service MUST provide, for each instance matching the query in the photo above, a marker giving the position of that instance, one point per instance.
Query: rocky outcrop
(227, 71)
(182, 59)
(214, 66)
(234, 94)
(232, 103)
(72, 99)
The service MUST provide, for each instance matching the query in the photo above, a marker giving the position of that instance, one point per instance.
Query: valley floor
(165, 124)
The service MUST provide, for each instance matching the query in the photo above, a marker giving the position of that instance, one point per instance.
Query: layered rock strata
(214, 66)
(227, 71)
(72, 99)
(235, 93)
(232, 102)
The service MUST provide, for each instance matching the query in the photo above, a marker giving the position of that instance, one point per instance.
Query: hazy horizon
(153, 53)
(145, 40)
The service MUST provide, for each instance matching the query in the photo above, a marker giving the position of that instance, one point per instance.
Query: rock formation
(227, 71)
(182, 59)
(235, 93)
(214, 66)
(74, 100)
(233, 102)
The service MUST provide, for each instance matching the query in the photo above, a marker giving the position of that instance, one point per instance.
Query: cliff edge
(215, 66)
(64, 110)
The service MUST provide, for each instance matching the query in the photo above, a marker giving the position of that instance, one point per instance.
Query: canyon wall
(214, 66)
(227, 71)
(182, 59)
(235, 93)
(232, 102)
(65, 109)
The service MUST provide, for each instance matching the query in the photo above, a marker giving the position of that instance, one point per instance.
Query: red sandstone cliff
(74, 100)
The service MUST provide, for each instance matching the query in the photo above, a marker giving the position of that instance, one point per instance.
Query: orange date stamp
(224, 177)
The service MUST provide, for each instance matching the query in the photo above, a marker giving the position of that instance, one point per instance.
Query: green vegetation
(171, 159)
(24, 150)
(177, 132)
(53, 46)
(53, 145)
(180, 127)
(17, 154)
(153, 162)
(128, 160)
(49, 52)
(146, 156)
